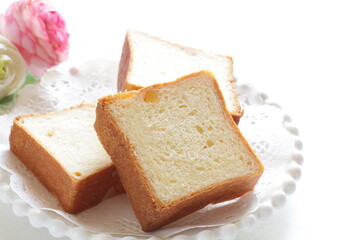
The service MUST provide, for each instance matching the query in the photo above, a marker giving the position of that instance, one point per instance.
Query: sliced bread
(147, 60)
(62, 150)
(176, 148)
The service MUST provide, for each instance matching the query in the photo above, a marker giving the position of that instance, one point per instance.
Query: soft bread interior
(157, 61)
(69, 136)
(183, 136)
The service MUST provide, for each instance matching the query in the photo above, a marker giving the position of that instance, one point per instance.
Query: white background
(304, 54)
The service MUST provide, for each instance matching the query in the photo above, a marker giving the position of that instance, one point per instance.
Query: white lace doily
(268, 130)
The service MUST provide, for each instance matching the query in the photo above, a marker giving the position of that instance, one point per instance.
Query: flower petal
(39, 30)
(38, 66)
(14, 33)
(27, 43)
(2, 24)
(40, 51)
(15, 68)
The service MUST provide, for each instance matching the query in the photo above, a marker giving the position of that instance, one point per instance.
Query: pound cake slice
(176, 148)
(147, 60)
(62, 150)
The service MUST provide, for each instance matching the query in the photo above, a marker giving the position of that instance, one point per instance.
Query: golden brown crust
(73, 194)
(152, 213)
(125, 67)
(42, 165)
(121, 152)
(132, 87)
(119, 188)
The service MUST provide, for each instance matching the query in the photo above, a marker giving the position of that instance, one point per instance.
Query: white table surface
(304, 54)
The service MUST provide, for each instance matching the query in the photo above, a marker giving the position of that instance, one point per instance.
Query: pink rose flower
(38, 32)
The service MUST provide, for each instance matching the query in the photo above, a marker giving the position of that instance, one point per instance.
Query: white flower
(12, 68)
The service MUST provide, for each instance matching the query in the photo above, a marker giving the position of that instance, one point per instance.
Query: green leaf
(30, 79)
(7, 102)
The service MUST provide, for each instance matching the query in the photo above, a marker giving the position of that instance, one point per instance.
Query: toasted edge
(151, 213)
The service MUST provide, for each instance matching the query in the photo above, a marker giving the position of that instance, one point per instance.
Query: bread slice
(148, 60)
(62, 150)
(176, 148)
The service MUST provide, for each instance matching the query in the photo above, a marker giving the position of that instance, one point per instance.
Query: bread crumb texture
(190, 142)
(70, 138)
